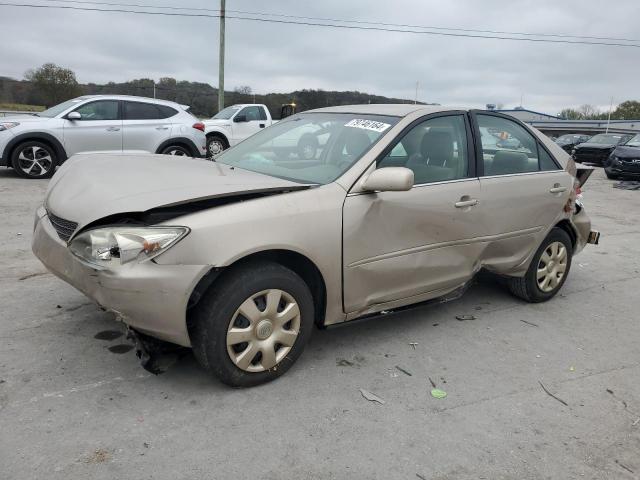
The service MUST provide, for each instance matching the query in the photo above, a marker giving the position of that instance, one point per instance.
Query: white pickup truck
(237, 122)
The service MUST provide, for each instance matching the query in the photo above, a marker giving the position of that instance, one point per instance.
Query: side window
(167, 112)
(507, 147)
(100, 110)
(141, 111)
(252, 113)
(263, 114)
(546, 162)
(436, 150)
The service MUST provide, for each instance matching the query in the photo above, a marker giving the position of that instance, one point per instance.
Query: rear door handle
(557, 189)
(113, 129)
(467, 203)
(162, 128)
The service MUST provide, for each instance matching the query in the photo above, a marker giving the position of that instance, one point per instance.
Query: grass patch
(21, 107)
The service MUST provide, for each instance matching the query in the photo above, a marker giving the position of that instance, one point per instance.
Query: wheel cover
(552, 267)
(263, 330)
(34, 161)
(177, 151)
(216, 147)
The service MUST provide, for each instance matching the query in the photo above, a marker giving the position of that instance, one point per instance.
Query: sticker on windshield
(368, 125)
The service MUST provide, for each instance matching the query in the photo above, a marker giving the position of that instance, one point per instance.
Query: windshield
(634, 142)
(314, 148)
(226, 113)
(58, 109)
(606, 139)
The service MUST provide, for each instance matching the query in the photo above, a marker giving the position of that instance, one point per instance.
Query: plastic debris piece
(572, 369)
(372, 397)
(465, 318)
(403, 371)
(433, 384)
(413, 344)
(437, 393)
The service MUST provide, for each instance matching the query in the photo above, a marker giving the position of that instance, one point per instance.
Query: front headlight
(110, 247)
(8, 125)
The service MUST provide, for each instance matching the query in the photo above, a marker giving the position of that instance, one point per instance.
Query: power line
(327, 25)
(361, 22)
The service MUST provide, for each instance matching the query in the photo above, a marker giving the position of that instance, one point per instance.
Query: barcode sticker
(368, 125)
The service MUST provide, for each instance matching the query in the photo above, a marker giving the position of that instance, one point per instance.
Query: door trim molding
(453, 243)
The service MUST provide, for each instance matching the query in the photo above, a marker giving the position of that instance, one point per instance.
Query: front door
(405, 247)
(253, 119)
(98, 130)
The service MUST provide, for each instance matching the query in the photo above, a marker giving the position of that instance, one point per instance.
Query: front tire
(216, 145)
(253, 325)
(611, 176)
(33, 159)
(548, 270)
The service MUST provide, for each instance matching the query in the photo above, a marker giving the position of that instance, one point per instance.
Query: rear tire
(611, 176)
(253, 324)
(33, 159)
(177, 150)
(548, 270)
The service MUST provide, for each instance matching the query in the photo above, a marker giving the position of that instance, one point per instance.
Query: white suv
(33, 145)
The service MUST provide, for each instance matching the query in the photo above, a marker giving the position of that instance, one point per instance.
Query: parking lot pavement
(72, 407)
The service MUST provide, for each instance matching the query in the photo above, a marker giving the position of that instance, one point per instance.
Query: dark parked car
(598, 149)
(569, 142)
(624, 161)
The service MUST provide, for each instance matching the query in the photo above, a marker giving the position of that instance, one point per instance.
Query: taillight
(199, 126)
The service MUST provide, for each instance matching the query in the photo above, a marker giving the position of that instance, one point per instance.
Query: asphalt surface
(73, 406)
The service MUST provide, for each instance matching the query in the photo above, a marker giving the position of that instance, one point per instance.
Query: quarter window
(100, 110)
(146, 111)
(436, 150)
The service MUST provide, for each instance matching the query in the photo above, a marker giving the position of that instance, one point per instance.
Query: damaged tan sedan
(387, 206)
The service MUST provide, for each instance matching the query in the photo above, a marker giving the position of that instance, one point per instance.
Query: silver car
(33, 145)
(240, 257)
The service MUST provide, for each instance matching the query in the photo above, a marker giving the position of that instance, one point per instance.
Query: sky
(271, 57)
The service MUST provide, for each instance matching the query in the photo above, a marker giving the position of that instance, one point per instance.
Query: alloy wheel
(177, 151)
(552, 267)
(35, 161)
(263, 330)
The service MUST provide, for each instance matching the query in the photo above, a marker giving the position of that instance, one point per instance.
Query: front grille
(64, 228)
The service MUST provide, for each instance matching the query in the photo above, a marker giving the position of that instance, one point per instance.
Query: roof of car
(134, 98)
(393, 109)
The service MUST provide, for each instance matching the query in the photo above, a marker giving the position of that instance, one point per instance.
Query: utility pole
(221, 58)
(154, 89)
(609, 119)
(416, 100)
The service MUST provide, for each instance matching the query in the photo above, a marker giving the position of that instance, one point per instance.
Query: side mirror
(240, 118)
(74, 116)
(389, 179)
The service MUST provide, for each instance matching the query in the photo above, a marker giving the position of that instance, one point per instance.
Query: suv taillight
(199, 126)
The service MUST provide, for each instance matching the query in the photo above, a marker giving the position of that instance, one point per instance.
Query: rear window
(147, 111)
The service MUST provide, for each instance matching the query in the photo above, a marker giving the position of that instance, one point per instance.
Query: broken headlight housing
(110, 247)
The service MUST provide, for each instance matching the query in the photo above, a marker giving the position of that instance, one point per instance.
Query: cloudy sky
(273, 57)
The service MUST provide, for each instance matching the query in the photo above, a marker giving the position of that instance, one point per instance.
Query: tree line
(50, 84)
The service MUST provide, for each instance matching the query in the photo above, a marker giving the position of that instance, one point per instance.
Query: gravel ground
(73, 406)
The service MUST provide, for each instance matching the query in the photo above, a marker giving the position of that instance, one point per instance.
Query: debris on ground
(413, 344)
(403, 371)
(572, 369)
(465, 318)
(433, 384)
(99, 456)
(437, 393)
(552, 395)
(343, 362)
(628, 185)
(156, 356)
(372, 397)
(622, 465)
(530, 323)
(420, 477)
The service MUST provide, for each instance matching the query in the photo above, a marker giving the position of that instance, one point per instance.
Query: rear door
(404, 247)
(523, 190)
(98, 130)
(145, 126)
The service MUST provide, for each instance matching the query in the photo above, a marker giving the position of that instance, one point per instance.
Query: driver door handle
(262, 125)
(557, 189)
(472, 202)
(162, 128)
(113, 129)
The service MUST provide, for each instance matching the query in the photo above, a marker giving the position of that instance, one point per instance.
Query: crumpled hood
(627, 152)
(89, 187)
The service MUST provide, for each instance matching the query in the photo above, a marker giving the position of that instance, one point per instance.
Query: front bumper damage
(149, 297)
